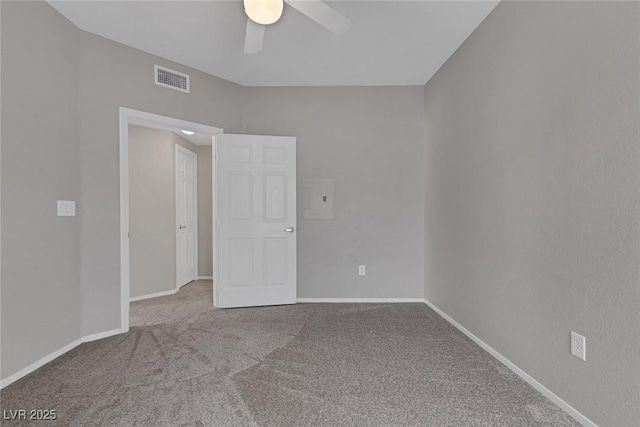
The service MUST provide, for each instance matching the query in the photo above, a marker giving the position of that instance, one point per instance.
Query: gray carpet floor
(193, 298)
(188, 364)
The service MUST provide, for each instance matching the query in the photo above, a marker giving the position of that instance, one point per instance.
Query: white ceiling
(196, 138)
(389, 43)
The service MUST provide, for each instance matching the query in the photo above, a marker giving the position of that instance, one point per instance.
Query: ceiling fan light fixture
(264, 12)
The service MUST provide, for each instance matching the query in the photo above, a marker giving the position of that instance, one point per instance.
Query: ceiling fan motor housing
(264, 12)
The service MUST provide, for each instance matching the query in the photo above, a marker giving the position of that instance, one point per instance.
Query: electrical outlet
(362, 270)
(578, 346)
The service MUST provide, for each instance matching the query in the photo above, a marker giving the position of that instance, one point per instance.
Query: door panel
(240, 262)
(256, 196)
(275, 265)
(240, 196)
(275, 155)
(275, 196)
(241, 154)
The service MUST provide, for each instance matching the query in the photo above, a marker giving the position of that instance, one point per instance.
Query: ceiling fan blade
(254, 38)
(322, 14)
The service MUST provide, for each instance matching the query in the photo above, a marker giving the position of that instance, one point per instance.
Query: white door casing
(127, 117)
(186, 216)
(256, 211)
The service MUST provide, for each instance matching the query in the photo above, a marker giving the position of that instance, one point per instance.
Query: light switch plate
(66, 208)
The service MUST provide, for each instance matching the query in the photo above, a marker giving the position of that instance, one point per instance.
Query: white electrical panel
(317, 198)
(66, 208)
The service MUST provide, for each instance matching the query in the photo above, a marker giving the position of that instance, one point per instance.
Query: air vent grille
(171, 79)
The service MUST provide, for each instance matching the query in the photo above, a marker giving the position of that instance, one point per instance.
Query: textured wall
(40, 148)
(532, 195)
(369, 139)
(152, 209)
(205, 207)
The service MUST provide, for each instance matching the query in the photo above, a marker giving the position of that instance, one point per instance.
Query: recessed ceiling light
(187, 132)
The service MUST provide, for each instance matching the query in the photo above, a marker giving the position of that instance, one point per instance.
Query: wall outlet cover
(578, 346)
(362, 270)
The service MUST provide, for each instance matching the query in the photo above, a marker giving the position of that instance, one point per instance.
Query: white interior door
(256, 211)
(186, 216)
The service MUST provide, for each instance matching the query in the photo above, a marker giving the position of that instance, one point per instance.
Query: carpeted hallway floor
(195, 297)
(308, 364)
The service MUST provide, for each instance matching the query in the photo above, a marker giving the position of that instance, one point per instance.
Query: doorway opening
(166, 213)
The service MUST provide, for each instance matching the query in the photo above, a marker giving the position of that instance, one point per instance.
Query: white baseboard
(157, 294)
(35, 365)
(54, 355)
(165, 293)
(522, 374)
(358, 300)
(101, 335)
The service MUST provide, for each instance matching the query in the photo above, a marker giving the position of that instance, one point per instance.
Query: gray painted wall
(152, 209)
(205, 207)
(369, 139)
(62, 89)
(532, 195)
(114, 75)
(40, 148)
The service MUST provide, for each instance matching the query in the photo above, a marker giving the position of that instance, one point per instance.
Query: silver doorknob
(182, 226)
(289, 230)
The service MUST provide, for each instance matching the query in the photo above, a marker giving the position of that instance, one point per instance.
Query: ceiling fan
(266, 12)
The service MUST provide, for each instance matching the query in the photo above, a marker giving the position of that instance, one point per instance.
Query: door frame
(180, 148)
(128, 116)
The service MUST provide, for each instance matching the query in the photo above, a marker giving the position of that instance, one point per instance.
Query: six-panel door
(186, 216)
(256, 196)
